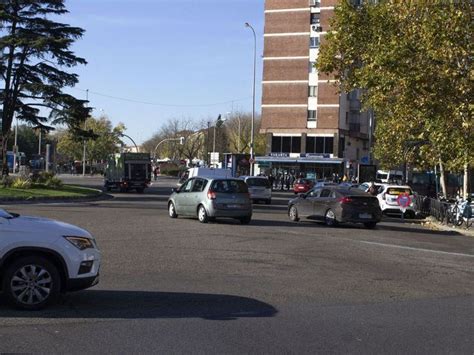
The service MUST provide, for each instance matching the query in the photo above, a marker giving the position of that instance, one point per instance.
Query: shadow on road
(147, 305)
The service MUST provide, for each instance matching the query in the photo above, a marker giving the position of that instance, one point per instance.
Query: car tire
(268, 202)
(245, 220)
(370, 225)
(31, 283)
(202, 214)
(330, 218)
(172, 210)
(293, 214)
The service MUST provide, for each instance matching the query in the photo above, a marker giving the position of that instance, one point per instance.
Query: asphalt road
(178, 286)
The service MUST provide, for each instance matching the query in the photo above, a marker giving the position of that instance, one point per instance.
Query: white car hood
(48, 225)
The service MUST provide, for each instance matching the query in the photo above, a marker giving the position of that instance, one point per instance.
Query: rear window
(399, 191)
(382, 176)
(229, 186)
(258, 182)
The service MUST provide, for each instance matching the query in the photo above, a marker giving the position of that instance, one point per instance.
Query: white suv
(387, 196)
(40, 258)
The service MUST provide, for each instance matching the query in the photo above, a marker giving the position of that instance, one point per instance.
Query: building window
(286, 144)
(320, 145)
(312, 67)
(311, 115)
(312, 91)
(314, 42)
(315, 19)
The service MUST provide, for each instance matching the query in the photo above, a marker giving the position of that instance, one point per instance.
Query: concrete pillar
(268, 143)
(303, 143)
(336, 146)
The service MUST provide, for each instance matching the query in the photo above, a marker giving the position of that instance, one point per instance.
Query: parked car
(325, 183)
(334, 204)
(209, 198)
(260, 188)
(387, 196)
(303, 185)
(40, 258)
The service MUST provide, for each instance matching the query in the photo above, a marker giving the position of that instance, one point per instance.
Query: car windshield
(258, 182)
(399, 191)
(229, 186)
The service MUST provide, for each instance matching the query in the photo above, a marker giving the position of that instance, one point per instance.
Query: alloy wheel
(31, 284)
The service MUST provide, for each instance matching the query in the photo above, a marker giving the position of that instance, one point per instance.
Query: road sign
(404, 200)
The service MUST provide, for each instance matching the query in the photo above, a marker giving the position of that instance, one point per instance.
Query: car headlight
(80, 243)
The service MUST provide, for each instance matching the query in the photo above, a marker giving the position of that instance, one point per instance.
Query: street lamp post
(253, 98)
(135, 144)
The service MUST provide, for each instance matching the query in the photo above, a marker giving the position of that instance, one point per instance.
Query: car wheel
(370, 225)
(330, 218)
(172, 210)
(202, 214)
(293, 214)
(31, 283)
(245, 220)
(268, 202)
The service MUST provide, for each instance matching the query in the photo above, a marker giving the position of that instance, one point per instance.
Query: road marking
(418, 249)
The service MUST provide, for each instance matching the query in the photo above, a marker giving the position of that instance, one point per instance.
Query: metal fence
(438, 209)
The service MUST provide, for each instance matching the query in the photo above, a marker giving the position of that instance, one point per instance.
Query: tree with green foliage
(413, 61)
(33, 51)
(103, 139)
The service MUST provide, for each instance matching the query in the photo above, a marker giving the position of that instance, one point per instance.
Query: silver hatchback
(209, 198)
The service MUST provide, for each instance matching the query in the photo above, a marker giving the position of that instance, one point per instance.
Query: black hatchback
(335, 204)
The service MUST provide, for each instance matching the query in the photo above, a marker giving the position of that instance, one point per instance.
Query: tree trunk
(3, 153)
(442, 179)
(466, 181)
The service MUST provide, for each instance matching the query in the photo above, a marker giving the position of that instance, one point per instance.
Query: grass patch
(39, 191)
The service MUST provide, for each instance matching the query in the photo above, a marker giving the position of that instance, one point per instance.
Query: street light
(135, 144)
(253, 98)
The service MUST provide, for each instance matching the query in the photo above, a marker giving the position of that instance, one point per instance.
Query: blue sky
(170, 52)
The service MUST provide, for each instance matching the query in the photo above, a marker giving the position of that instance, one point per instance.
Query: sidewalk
(432, 223)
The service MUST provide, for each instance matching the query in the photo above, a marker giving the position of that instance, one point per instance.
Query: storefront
(308, 165)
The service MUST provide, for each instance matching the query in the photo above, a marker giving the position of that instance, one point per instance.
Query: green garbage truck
(127, 171)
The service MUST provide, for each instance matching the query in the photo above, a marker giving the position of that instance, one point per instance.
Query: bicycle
(461, 212)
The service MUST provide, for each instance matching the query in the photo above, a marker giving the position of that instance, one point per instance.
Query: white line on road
(418, 249)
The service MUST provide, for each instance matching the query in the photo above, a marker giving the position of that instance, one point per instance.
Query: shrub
(53, 182)
(6, 181)
(21, 183)
(43, 177)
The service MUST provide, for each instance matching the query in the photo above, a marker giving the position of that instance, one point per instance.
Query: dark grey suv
(208, 198)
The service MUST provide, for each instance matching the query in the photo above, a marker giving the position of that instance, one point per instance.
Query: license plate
(365, 215)
(233, 206)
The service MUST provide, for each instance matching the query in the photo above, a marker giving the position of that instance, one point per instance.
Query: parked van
(205, 172)
(389, 176)
(260, 188)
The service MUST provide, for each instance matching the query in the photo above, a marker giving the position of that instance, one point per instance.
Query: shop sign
(315, 155)
(280, 155)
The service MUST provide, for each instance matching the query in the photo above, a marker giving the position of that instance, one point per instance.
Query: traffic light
(219, 121)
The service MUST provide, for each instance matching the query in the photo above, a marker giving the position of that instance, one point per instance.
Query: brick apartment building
(309, 127)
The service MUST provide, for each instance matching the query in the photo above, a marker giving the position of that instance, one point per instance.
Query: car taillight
(211, 195)
(345, 200)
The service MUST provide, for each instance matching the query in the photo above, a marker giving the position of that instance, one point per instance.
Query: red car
(303, 185)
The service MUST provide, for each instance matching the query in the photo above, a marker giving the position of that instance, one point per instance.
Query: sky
(166, 59)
